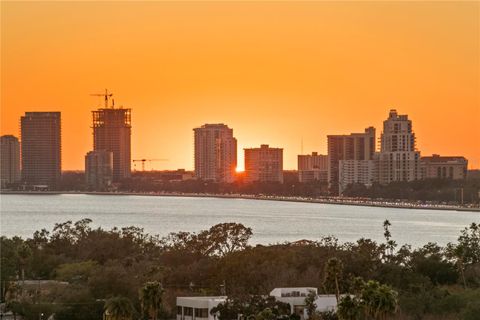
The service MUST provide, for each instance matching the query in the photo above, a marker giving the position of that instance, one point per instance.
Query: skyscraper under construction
(112, 132)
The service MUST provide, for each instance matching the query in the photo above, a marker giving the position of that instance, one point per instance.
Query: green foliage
(333, 276)
(431, 281)
(310, 304)
(76, 272)
(119, 308)
(220, 240)
(151, 299)
(373, 301)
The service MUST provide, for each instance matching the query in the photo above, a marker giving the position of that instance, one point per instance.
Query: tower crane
(145, 160)
(106, 95)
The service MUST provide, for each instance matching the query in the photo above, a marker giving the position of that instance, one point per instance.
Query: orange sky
(276, 72)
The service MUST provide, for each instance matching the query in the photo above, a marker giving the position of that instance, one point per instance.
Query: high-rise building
(442, 167)
(355, 146)
(112, 132)
(399, 160)
(264, 164)
(41, 148)
(10, 160)
(215, 153)
(99, 170)
(312, 167)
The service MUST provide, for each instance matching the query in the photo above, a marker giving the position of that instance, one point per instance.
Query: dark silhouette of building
(112, 132)
(10, 160)
(99, 170)
(41, 149)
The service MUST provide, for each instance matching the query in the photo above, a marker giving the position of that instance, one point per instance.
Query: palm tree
(23, 253)
(151, 299)
(378, 300)
(118, 308)
(333, 272)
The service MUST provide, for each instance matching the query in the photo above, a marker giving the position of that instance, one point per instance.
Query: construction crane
(106, 95)
(145, 160)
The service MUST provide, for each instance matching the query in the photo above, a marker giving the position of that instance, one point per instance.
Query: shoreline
(326, 200)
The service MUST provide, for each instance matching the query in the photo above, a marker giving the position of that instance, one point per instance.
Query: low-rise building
(295, 297)
(197, 308)
(443, 167)
(99, 170)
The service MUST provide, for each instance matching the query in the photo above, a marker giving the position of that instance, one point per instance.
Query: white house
(296, 298)
(197, 308)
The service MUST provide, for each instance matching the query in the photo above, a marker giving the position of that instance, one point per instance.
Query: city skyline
(323, 72)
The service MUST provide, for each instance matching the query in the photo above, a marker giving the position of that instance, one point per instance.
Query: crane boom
(106, 95)
(145, 160)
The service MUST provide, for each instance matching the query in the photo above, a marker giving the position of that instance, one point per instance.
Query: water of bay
(271, 221)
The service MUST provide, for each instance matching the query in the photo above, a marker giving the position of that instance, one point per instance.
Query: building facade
(198, 308)
(10, 160)
(99, 170)
(215, 153)
(312, 167)
(355, 146)
(398, 159)
(41, 149)
(442, 167)
(112, 132)
(357, 171)
(295, 297)
(264, 164)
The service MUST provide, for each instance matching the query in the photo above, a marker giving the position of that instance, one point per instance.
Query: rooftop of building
(263, 147)
(368, 130)
(9, 137)
(292, 291)
(205, 298)
(212, 126)
(393, 115)
(42, 114)
(439, 158)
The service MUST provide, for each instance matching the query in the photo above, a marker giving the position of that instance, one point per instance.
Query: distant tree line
(434, 190)
(439, 190)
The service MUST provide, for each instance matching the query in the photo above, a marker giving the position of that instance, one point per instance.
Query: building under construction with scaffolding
(112, 132)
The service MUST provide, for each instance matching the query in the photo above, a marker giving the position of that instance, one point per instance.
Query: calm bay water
(271, 221)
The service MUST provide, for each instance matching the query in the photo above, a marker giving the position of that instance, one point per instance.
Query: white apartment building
(215, 153)
(357, 171)
(399, 160)
(312, 167)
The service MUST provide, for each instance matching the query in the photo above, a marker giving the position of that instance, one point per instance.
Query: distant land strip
(323, 200)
